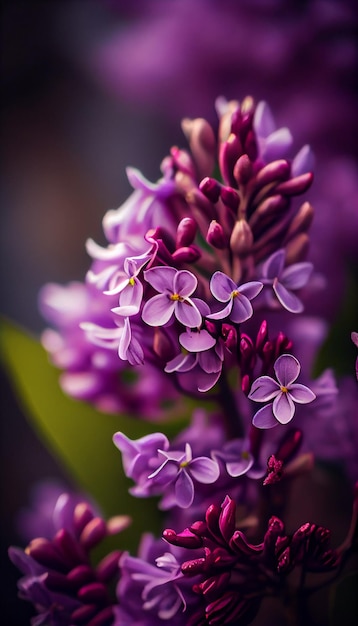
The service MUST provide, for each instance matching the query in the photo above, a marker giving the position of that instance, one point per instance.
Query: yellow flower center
(284, 389)
(235, 293)
(131, 281)
(175, 297)
(184, 463)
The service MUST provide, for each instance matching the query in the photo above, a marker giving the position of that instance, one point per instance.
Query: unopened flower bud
(274, 171)
(186, 254)
(186, 232)
(183, 161)
(229, 334)
(202, 143)
(261, 336)
(296, 186)
(250, 145)
(243, 170)
(241, 239)
(210, 188)
(216, 236)
(230, 198)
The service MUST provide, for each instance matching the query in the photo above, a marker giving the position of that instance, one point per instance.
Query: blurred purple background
(90, 87)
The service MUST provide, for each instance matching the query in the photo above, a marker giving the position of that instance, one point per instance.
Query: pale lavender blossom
(284, 393)
(236, 456)
(203, 367)
(140, 456)
(239, 308)
(181, 470)
(127, 284)
(285, 280)
(174, 287)
(120, 337)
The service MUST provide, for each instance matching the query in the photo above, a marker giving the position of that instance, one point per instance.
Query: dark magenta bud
(229, 334)
(93, 533)
(216, 236)
(230, 198)
(210, 188)
(243, 170)
(261, 337)
(81, 575)
(250, 145)
(188, 254)
(275, 171)
(185, 539)
(295, 186)
(186, 232)
(93, 592)
(108, 566)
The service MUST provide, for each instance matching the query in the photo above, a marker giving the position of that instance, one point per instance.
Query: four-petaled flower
(181, 469)
(286, 280)
(239, 308)
(174, 287)
(284, 393)
(127, 284)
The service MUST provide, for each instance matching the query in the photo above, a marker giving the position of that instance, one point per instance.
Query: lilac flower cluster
(59, 578)
(191, 293)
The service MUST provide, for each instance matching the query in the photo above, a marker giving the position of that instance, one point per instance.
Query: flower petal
(283, 408)
(241, 309)
(158, 310)
(225, 312)
(184, 490)
(264, 388)
(274, 265)
(221, 286)
(288, 299)
(187, 313)
(204, 470)
(296, 276)
(161, 278)
(197, 341)
(185, 283)
(251, 289)
(180, 363)
(287, 369)
(241, 466)
(301, 394)
(264, 418)
(206, 381)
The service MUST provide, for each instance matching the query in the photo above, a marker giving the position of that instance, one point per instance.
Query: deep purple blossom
(284, 393)
(181, 470)
(174, 288)
(239, 308)
(128, 286)
(59, 579)
(285, 281)
(140, 456)
(235, 574)
(236, 456)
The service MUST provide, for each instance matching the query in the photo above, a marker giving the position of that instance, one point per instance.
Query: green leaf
(79, 436)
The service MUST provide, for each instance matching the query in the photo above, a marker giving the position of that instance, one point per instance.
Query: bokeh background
(91, 86)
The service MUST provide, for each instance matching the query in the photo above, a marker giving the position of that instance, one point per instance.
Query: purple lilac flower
(128, 286)
(174, 289)
(239, 308)
(286, 280)
(181, 470)
(235, 574)
(236, 456)
(152, 589)
(140, 456)
(285, 393)
(59, 579)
